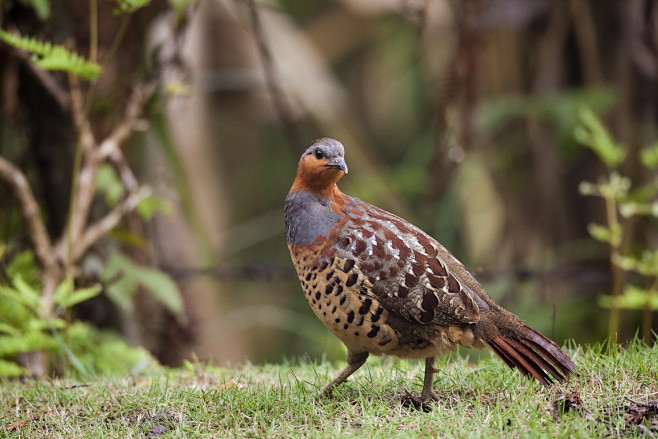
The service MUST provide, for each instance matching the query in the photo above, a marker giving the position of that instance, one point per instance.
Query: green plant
(624, 200)
(52, 56)
(26, 328)
(39, 287)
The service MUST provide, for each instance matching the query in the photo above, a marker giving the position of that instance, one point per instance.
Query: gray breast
(308, 217)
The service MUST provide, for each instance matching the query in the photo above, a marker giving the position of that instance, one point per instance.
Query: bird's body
(383, 286)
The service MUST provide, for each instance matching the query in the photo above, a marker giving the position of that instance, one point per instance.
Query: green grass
(483, 400)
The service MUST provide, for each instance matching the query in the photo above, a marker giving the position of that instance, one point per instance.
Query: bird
(385, 287)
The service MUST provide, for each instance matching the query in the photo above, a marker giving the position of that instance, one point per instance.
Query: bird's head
(321, 166)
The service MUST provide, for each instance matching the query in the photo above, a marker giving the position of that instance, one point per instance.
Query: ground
(615, 395)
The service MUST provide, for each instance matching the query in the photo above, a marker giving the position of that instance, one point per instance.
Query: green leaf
(122, 292)
(123, 277)
(646, 264)
(67, 297)
(108, 184)
(633, 298)
(611, 235)
(163, 288)
(130, 6)
(590, 132)
(9, 369)
(13, 310)
(53, 57)
(28, 295)
(24, 263)
(8, 329)
(649, 156)
(31, 341)
(152, 204)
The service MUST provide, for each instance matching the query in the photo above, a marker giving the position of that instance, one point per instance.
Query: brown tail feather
(533, 354)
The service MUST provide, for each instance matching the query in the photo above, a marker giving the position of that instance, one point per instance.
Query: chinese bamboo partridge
(383, 286)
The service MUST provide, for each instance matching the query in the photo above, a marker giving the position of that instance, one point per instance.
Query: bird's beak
(337, 163)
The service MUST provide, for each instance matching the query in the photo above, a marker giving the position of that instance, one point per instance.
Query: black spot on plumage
(436, 267)
(373, 332)
(333, 309)
(328, 289)
(330, 273)
(453, 285)
(403, 291)
(349, 264)
(345, 326)
(426, 316)
(337, 320)
(435, 281)
(418, 269)
(359, 247)
(429, 301)
(308, 277)
(410, 280)
(351, 280)
(374, 317)
(339, 290)
(365, 306)
(350, 316)
(342, 300)
(318, 295)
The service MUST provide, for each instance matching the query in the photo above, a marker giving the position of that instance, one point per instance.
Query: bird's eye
(319, 154)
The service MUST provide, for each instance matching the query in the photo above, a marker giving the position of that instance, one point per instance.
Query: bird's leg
(354, 361)
(428, 394)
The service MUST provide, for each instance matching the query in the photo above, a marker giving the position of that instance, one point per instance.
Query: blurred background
(460, 116)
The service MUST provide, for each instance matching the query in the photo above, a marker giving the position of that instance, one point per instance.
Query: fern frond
(130, 6)
(52, 56)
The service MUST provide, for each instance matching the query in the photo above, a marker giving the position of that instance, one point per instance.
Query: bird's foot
(422, 402)
(327, 391)
(428, 396)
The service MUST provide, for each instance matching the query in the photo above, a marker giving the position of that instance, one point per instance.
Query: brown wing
(407, 269)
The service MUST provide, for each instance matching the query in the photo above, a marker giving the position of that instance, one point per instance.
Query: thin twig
(47, 80)
(78, 240)
(31, 212)
(281, 108)
(94, 156)
(99, 229)
(585, 29)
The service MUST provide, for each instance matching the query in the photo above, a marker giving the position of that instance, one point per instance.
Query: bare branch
(100, 228)
(95, 155)
(273, 83)
(31, 212)
(141, 94)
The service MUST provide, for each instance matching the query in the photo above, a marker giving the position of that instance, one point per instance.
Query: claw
(423, 402)
(428, 397)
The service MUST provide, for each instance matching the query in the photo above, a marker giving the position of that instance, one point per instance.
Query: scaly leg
(354, 361)
(428, 394)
